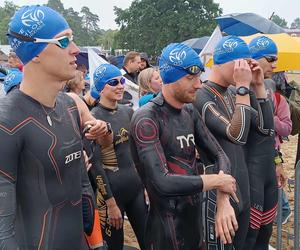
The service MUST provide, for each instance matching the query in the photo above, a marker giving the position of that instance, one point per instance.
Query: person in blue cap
(12, 80)
(262, 171)
(123, 191)
(166, 133)
(46, 201)
(228, 117)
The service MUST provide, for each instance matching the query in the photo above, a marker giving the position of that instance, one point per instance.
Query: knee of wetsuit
(88, 214)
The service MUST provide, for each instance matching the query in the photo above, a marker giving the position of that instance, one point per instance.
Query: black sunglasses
(115, 82)
(271, 59)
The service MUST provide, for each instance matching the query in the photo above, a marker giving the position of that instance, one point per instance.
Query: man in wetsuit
(46, 200)
(166, 132)
(228, 117)
(260, 153)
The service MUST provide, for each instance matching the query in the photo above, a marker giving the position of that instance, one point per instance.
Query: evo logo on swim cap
(32, 18)
(262, 42)
(230, 45)
(177, 56)
(99, 73)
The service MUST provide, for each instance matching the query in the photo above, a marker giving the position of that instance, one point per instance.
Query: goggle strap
(20, 37)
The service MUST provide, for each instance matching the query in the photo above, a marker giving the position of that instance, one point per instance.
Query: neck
(40, 87)
(108, 103)
(128, 70)
(168, 94)
(216, 77)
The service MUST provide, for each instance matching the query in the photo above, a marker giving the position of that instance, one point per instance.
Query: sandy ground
(289, 153)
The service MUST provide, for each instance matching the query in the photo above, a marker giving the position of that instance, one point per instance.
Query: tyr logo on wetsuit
(186, 139)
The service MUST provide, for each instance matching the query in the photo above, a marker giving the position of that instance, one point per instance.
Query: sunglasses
(62, 42)
(271, 59)
(115, 82)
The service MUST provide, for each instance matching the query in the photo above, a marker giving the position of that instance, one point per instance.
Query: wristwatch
(242, 91)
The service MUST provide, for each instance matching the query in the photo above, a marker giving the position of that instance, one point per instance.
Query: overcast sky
(288, 9)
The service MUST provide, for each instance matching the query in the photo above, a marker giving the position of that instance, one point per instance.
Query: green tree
(296, 24)
(56, 5)
(279, 21)
(6, 13)
(149, 25)
(108, 39)
(90, 26)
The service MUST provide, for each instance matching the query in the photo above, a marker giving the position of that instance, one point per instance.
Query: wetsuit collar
(106, 108)
(160, 101)
(219, 88)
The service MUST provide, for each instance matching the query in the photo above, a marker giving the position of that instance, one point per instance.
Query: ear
(36, 59)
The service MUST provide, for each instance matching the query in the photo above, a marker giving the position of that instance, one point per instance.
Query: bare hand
(114, 214)
(228, 185)
(280, 174)
(86, 161)
(225, 220)
(98, 129)
(242, 74)
(257, 73)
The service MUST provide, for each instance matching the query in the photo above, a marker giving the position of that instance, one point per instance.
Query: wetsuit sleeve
(9, 152)
(99, 176)
(263, 120)
(207, 143)
(152, 161)
(91, 221)
(236, 130)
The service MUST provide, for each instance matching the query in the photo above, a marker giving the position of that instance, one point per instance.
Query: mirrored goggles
(271, 59)
(62, 42)
(115, 82)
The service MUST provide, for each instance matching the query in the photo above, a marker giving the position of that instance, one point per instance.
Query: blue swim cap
(103, 73)
(13, 79)
(230, 48)
(35, 22)
(262, 46)
(94, 93)
(174, 58)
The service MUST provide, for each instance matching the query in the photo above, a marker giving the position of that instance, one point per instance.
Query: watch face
(242, 91)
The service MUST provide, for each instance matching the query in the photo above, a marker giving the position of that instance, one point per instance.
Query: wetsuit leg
(270, 208)
(136, 211)
(256, 210)
(179, 229)
(263, 207)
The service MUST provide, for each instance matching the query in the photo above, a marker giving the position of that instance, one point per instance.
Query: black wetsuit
(42, 175)
(119, 178)
(164, 152)
(229, 122)
(260, 153)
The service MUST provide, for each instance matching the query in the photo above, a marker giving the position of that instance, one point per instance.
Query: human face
(186, 87)
(135, 64)
(57, 62)
(143, 64)
(156, 82)
(267, 66)
(226, 73)
(114, 93)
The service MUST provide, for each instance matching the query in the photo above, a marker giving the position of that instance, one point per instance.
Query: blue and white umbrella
(246, 24)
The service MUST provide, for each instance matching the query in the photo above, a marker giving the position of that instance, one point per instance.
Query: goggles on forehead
(62, 42)
(115, 82)
(271, 59)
